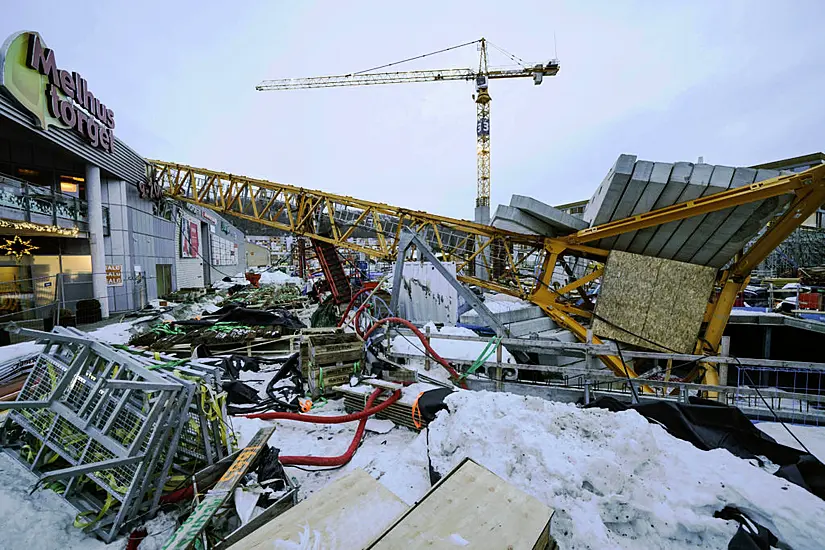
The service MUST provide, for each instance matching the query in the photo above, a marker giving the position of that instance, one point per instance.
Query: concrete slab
(676, 183)
(633, 191)
(513, 316)
(607, 197)
(750, 218)
(659, 177)
(698, 182)
(720, 225)
(561, 221)
(530, 326)
(507, 225)
(719, 181)
(518, 217)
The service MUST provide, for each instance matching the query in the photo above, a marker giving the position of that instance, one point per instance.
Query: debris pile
(110, 429)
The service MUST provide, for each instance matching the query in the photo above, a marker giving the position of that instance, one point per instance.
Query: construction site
(640, 369)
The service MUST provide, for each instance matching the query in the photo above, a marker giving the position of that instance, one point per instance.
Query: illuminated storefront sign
(56, 97)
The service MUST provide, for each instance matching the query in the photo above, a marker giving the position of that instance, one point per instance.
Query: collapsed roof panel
(634, 187)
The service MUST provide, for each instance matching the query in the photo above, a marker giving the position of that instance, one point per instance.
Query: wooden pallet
(329, 358)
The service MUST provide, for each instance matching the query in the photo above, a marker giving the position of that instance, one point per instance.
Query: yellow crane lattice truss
(374, 229)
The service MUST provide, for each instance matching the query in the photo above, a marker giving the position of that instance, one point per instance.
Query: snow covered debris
(448, 349)
(278, 278)
(237, 279)
(614, 479)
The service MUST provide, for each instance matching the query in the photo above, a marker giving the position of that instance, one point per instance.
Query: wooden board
(186, 534)
(475, 508)
(645, 300)
(344, 515)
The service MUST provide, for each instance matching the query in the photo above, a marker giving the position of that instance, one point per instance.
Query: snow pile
(41, 521)
(278, 278)
(615, 480)
(448, 349)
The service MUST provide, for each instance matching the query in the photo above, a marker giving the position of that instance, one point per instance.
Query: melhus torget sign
(56, 97)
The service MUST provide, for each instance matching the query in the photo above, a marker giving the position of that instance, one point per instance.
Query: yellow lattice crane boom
(375, 229)
(481, 78)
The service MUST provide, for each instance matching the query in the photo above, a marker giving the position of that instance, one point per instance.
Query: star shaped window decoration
(18, 247)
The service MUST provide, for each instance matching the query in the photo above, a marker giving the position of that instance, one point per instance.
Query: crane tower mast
(481, 77)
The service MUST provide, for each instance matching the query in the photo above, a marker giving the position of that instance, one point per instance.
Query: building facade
(77, 218)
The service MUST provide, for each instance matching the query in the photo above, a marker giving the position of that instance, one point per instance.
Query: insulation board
(652, 303)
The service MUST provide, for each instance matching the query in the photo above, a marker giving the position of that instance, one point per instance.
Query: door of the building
(164, 279)
(206, 255)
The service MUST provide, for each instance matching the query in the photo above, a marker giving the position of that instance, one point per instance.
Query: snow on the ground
(397, 458)
(616, 480)
(41, 521)
(813, 437)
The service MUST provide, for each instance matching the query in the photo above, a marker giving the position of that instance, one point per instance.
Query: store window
(72, 185)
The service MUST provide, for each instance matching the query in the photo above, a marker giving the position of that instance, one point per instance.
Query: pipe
(424, 341)
(356, 440)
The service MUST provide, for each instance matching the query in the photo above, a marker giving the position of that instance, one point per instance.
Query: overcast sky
(739, 83)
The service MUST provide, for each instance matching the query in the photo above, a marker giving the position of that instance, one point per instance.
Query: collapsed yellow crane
(481, 77)
(346, 221)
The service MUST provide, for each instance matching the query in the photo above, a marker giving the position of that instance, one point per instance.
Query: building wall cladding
(189, 271)
(139, 241)
(215, 237)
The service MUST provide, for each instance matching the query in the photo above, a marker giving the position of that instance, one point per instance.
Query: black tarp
(711, 425)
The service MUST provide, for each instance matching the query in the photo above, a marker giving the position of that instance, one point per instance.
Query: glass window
(73, 265)
(70, 185)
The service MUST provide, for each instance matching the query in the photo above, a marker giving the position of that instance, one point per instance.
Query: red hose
(187, 492)
(349, 306)
(423, 339)
(356, 440)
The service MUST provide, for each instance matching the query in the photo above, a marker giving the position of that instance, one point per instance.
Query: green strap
(483, 356)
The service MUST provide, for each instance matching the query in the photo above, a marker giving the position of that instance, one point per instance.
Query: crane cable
(416, 57)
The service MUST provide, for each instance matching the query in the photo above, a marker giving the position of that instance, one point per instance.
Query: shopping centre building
(78, 217)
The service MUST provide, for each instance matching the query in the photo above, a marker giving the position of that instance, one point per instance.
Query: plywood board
(647, 301)
(345, 515)
(475, 508)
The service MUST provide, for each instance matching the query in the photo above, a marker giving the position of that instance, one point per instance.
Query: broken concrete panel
(660, 244)
(676, 184)
(606, 198)
(694, 231)
(763, 214)
(634, 190)
(723, 224)
(659, 177)
(527, 222)
(563, 222)
(507, 225)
